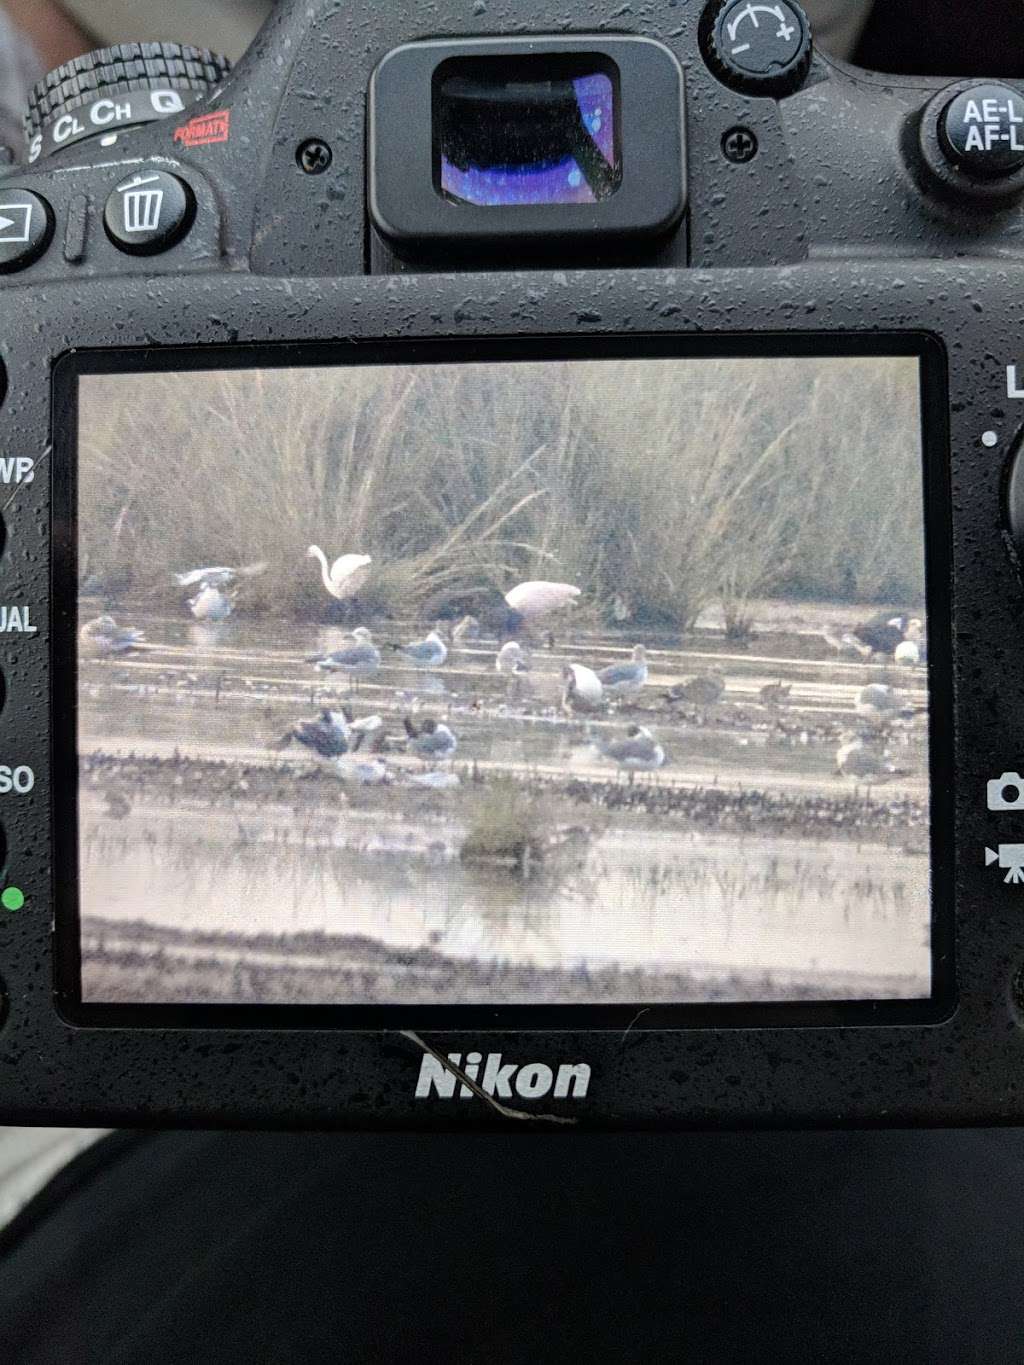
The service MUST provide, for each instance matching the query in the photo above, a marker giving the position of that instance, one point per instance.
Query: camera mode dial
(103, 92)
(758, 48)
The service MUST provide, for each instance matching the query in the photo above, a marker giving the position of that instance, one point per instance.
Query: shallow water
(649, 899)
(226, 691)
(649, 895)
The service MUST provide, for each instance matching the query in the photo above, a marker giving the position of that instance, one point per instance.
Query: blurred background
(930, 37)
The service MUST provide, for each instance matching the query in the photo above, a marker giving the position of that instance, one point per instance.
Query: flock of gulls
(359, 746)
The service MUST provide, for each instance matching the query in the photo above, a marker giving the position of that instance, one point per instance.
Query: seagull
(105, 637)
(430, 652)
(530, 601)
(637, 752)
(582, 689)
(369, 772)
(775, 693)
(219, 577)
(706, 689)
(328, 736)
(361, 659)
(436, 781)
(432, 740)
(878, 703)
(909, 653)
(345, 576)
(365, 725)
(845, 643)
(864, 758)
(626, 680)
(210, 604)
(880, 635)
(368, 732)
(511, 658)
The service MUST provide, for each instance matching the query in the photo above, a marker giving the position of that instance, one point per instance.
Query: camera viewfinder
(538, 130)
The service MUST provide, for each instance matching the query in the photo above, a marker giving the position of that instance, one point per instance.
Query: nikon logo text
(531, 1081)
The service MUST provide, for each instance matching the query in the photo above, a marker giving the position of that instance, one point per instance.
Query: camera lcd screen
(497, 681)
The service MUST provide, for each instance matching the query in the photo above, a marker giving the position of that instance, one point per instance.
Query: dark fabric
(944, 38)
(738, 1247)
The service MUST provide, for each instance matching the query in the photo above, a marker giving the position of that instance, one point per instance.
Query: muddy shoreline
(223, 784)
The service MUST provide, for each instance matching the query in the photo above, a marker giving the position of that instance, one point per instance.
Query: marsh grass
(507, 824)
(674, 485)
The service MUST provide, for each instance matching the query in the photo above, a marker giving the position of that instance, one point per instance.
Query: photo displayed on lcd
(514, 682)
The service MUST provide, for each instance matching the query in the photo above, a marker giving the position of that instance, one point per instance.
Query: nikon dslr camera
(512, 608)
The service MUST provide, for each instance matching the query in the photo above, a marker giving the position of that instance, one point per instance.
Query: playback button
(26, 227)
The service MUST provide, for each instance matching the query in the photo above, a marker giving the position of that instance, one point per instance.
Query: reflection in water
(640, 899)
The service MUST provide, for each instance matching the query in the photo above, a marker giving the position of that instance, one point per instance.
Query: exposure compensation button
(148, 212)
(761, 49)
(982, 131)
(26, 226)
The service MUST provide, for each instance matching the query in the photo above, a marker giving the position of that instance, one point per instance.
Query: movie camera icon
(1010, 857)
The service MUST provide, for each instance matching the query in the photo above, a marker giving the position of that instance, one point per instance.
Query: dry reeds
(677, 484)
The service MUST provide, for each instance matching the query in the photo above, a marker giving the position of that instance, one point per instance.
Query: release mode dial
(102, 92)
(758, 48)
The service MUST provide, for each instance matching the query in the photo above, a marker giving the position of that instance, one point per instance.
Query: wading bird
(864, 758)
(775, 693)
(105, 637)
(626, 679)
(706, 689)
(361, 659)
(210, 604)
(431, 741)
(219, 577)
(582, 689)
(637, 752)
(429, 652)
(345, 576)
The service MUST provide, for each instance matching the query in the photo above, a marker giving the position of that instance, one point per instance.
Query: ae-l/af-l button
(982, 131)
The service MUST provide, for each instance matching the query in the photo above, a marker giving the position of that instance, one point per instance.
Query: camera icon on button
(1006, 792)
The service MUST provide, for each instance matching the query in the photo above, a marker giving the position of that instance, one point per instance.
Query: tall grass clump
(670, 485)
(509, 826)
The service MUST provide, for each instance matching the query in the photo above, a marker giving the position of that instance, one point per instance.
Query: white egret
(345, 576)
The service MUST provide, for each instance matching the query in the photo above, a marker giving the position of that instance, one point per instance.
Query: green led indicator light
(12, 898)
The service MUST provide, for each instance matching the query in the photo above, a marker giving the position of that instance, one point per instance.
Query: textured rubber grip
(120, 70)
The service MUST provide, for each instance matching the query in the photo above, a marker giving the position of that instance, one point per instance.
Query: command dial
(103, 92)
(760, 49)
